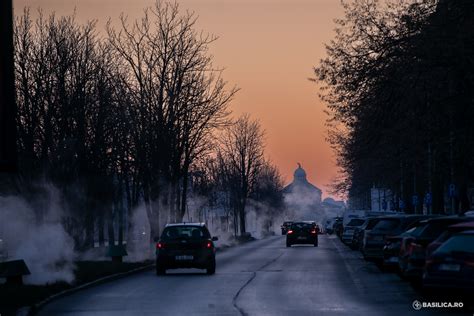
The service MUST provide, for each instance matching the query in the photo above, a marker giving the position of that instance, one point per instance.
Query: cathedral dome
(300, 174)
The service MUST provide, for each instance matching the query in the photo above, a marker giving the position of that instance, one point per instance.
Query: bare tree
(178, 99)
(242, 155)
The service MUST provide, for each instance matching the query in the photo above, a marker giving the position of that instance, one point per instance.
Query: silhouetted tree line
(116, 120)
(237, 177)
(399, 83)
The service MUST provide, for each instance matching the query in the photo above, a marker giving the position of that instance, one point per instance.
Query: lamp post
(8, 150)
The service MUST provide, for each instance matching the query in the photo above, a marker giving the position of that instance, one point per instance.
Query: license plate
(393, 259)
(449, 267)
(301, 238)
(182, 258)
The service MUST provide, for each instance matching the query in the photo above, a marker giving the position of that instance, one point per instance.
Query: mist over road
(258, 278)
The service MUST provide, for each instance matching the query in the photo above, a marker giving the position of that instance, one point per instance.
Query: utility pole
(8, 150)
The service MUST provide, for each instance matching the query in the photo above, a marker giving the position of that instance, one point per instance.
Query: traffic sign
(452, 190)
(401, 204)
(428, 199)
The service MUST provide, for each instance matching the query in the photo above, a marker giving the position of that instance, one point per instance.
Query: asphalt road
(258, 278)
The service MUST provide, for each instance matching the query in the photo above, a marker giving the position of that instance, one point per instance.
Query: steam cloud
(45, 246)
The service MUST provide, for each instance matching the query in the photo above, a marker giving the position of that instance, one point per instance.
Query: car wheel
(288, 244)
(211, 269)
(315, 244)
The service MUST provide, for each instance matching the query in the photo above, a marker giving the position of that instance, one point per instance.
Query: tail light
(160, 245)
(208, 245)
(314, 232)
(469, 263)
(290, 232)
(414, 247)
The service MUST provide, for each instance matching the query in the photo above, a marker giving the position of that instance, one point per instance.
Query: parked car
(456, 228)
(337, 227)
(393, 244)
(374, 240)
(359, 232)
(451, 266)
(413, 248)
(285, 226)
(302, 233)
(348, 230)
(185, 245)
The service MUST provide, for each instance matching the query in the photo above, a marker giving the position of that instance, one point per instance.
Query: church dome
(300, 174)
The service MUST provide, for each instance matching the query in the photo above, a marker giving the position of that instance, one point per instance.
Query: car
(304, 232)
(360, 231)
(331, 224)
(393, 244)
(348, 230)
(185, 245)
(451, 265)
(338, 227)
(392, 225)
(412, 255)
(328, 225)
(285, 226)
(456, 228)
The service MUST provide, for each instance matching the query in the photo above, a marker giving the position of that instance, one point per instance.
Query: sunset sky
(268, 49)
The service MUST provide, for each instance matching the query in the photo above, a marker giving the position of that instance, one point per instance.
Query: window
(356, 222)
(191, 232)
(458, 243)
(387, 224)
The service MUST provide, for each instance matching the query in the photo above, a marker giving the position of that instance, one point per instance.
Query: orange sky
(268, 49)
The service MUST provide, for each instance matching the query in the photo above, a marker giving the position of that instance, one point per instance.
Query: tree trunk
(184, 194)
(101, 223)
(110, 228)
(152, 214)
(242, 217)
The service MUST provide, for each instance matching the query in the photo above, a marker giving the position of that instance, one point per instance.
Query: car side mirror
(155, 239)
(215, 238)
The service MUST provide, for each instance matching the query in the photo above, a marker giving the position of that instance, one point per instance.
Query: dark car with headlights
(451, 266)
(186, 245)
(302, 233)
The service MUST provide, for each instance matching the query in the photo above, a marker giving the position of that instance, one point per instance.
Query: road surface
(258, 278)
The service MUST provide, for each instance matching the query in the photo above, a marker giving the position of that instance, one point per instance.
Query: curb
(28, 311)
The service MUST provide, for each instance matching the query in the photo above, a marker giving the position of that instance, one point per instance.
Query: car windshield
(458, 243)
(387, 224)
(301, 226)
(356, 222)
(188, 232)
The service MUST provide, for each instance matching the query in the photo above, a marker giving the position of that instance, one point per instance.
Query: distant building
(302, 199)
(332, 208)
